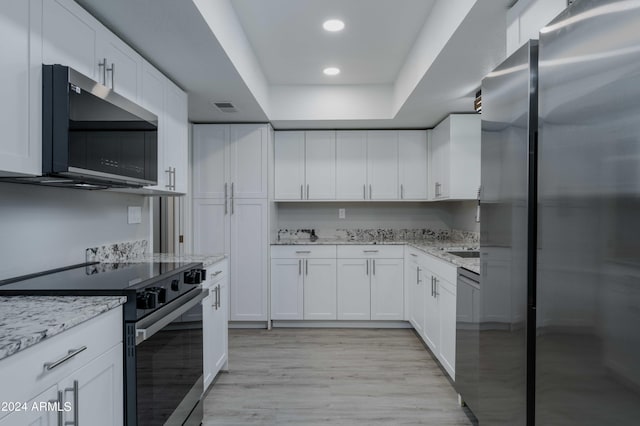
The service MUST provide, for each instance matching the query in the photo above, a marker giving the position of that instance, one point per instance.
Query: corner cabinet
(90, 383)
(231, 209)
(454, 158)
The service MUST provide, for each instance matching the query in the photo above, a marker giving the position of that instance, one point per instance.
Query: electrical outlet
(134, 214)
(342, 213)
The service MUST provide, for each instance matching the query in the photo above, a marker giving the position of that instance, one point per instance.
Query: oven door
(169, 365)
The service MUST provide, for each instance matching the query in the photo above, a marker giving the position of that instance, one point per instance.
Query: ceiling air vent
(225, 106)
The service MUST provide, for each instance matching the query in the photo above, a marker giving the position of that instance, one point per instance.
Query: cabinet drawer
(25, 373)
(216, 273)
(303, 251)
(442, 268)
(371, 251)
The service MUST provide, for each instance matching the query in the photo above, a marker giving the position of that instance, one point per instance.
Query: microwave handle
(146, 330)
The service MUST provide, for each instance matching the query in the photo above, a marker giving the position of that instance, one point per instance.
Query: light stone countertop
(434, 248)
(27, 320)
(207, 260)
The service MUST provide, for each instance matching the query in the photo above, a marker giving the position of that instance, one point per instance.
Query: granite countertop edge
(206, 260)
(28, 320)
(434, 248)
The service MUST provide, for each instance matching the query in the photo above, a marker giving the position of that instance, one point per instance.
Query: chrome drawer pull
(303, 251)
(371, 251)
(71, 354)
(215, 274)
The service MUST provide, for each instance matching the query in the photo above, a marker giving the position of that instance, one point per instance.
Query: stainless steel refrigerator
(507, 234)
(560, 342)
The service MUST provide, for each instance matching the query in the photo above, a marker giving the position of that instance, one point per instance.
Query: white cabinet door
(208, 337)
(447, 344)
(387, 289)
(320, 289)
(289, 165)
(320, 165)
(152, 98)
(176, 142)
(439, 158)
(221, 335)
(248, 160)
(351, 165)
(354, 289)
(211, 226)
(69, 36)
(382, 164)
(287, 290)
(118, 66)
(432, 314)
(210, 161)
(100, 391)
(248, 257)
(413, 163)
(21, 94)
(35, 417)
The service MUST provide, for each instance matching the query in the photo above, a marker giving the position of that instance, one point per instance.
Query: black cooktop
(94, 279)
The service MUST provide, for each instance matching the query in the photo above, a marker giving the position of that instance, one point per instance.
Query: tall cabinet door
(287, 290)
(351, 165)
(211, 226)
(387, 289)
(320, 289)
(382, 164)
(320, 165)
(248, 257)
(210, 161)
(248, 160)
(289, 165)
(354, 291)
(413, 163)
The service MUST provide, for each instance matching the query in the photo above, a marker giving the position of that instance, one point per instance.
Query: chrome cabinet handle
(103, 66)
(60, 404)
(112, 70)
(225, 199)
(436, 293)
(374, 266)
(401, 191)
(219, 295)
(364, 192)
(169, 185)
(413, 254)
(72, 352)
(370, 251)
(303, 251)
(232, 201)
(370, 192)
(306, 267)
(367, 266)
(432, 286)
(216, 273)
(173, 172)
(307, 191)
(417, 275)
(300, 267)
(75, 391)
(215, 298)
(301, 192)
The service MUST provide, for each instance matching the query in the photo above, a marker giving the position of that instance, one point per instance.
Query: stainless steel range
(162, 354)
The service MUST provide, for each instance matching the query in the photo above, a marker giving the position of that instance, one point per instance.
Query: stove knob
(175, 285)
(162, 295)
(146, 300)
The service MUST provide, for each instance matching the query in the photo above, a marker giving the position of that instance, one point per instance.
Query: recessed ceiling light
(333, 25)
(331, 71)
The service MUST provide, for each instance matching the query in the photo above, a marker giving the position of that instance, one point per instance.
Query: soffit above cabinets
(404, 63)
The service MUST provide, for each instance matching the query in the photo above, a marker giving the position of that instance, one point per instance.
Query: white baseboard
(340, 324)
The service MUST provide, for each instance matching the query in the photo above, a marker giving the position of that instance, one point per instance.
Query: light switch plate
(134, 214)
(342, 213)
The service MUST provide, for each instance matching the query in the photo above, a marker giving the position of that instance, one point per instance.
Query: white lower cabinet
(415, 287)
(287, 289)
(387, 293)
(447, 347)
(215, 321)
(319, 289)
(88, 385)
(354, 289)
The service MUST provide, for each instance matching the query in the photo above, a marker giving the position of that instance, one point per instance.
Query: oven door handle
(151, 325)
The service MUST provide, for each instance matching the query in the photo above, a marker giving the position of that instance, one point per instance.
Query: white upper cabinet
(289, 165)
(455, 158)
(21, 93)
(382, 164)
(413, 158)
(176, 137)
(230, 161)
(119, 67)
(248, 160)
(351, 165)
(305, 165)
(320, 165)
(152, 98)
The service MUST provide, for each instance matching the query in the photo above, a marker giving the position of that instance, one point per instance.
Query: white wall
(43, 228)
(324, 216)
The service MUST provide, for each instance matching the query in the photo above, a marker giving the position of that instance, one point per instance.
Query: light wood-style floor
(331, 377)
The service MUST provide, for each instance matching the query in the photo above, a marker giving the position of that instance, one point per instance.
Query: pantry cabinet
(305, 164)
(454, 158)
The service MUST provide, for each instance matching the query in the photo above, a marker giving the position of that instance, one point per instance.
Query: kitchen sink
(467, 254)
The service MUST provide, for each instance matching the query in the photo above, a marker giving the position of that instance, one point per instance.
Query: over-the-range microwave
(92, 137)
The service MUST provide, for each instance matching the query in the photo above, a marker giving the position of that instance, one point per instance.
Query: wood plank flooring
(331, 377)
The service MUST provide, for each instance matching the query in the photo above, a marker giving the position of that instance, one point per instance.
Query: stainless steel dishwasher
(468, 337)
